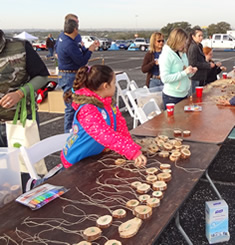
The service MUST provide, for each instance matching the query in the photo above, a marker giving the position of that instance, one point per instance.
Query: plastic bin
(10, 177)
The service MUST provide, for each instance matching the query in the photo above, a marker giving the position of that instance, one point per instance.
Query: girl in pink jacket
(98, 123)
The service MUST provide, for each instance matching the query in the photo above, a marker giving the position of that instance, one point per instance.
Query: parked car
(141, 43)
(104, 42)
(40, 45)
(220, 41)
(122, 44)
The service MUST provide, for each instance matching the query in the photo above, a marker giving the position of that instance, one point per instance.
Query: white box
(217, 221)
(10, 177)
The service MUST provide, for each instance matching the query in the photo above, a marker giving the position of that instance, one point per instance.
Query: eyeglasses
(160, 41)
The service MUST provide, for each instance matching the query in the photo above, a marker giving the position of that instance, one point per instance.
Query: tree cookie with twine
(143, 188)
(152, 149)
(151, 178)
(159, 186)
(104, 221)
(83, 243)
(165, 166)
(157, 194)
(92, 233)
(144, 198)
(132, 203)
(185, 153)
(120, 161)
(129, 228)
(142, 211)
(113, 242)
(164, 154)
(135, 184)
(152, 170)
(119, 213)
(166, 177)
(153, 202)
(186, 133)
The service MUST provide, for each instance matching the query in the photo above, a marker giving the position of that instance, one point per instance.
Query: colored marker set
(41, 195)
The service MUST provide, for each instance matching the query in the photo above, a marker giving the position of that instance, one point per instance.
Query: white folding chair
(145, 112)
(42, 149)
(123, 85)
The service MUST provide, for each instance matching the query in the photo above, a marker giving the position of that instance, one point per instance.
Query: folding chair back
(40, 150)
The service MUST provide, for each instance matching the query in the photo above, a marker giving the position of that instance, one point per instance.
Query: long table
(87, 175)
(211, 125)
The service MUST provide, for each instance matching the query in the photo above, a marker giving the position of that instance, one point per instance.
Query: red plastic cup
(224, 75)
(199, 91)
(170, 109)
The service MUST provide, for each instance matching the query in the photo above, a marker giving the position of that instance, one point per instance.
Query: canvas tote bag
(24, 132)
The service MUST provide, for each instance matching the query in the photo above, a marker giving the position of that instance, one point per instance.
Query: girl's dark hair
(190, 36)
(90, 77)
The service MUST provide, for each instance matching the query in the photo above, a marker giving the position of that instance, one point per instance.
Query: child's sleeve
(94, 124)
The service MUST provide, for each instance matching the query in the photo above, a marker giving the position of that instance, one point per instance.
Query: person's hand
(140, 161)
(212, 64)
(223, 68)
(156, 61)
(223, 102)
(11, 99)
(94, 46)
(190, 70)
(219, 64)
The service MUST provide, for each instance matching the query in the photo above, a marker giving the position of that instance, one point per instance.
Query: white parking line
(51, 120)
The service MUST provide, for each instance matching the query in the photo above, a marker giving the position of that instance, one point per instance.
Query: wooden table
(84, 176)
(211, 125)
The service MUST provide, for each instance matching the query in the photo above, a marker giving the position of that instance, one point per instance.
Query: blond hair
(153, 38)
(176, 38)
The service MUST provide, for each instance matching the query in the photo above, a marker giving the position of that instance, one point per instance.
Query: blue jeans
(51, 52)
(155, 85)
(194, 84)
(169, 99)
(66, 83)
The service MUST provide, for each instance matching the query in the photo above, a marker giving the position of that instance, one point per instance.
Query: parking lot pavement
(222, 169)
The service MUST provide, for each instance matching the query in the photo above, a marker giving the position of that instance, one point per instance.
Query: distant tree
(221, 27)
(170, 26)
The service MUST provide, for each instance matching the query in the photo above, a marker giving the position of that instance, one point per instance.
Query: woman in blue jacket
(174, 68)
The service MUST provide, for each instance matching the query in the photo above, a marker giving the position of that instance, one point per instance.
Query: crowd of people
(95, 122)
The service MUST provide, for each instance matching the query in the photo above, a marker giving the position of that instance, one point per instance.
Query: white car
(88, 40)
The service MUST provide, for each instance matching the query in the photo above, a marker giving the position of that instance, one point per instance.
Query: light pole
(136, 18)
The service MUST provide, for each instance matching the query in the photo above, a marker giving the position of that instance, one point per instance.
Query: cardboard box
(10, 181)
(217, 221)
(56, 101)
(44, 106)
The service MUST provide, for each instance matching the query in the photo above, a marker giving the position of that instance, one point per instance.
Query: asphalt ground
(221, 170)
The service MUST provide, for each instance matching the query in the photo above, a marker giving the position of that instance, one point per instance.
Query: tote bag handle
(22, 104)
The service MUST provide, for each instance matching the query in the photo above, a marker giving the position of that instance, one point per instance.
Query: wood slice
(163, 154)
(157, 194)
(166, 171)
(143, 188)
(120, 161)
(165, 166)
(167, 147)
(104, 221)
(113, 242)
(177, 133)
(151, 170)
(186, 146)
(144, 198)
(142, 211)
(160, 143)
(119, 213)
(92, 233)
(172, 142)
(83, 243)
(132, 203)
(152, 149)
(185, 153)
(135, 184)
(153, 202)
(163, 137)
(186, 133)
(159, 186)
(129, 228)
(175, 156)
(151, 178)
(166, 177)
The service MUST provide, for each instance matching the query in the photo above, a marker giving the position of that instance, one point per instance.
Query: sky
(121, 14)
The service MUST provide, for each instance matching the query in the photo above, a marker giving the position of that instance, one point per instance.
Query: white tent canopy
(26, 36)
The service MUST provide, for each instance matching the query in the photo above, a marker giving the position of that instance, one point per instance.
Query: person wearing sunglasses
(150, 63)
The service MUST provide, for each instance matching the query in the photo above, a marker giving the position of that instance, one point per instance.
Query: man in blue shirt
(71, 56)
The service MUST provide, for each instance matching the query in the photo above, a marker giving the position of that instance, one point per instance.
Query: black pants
(169, 99)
